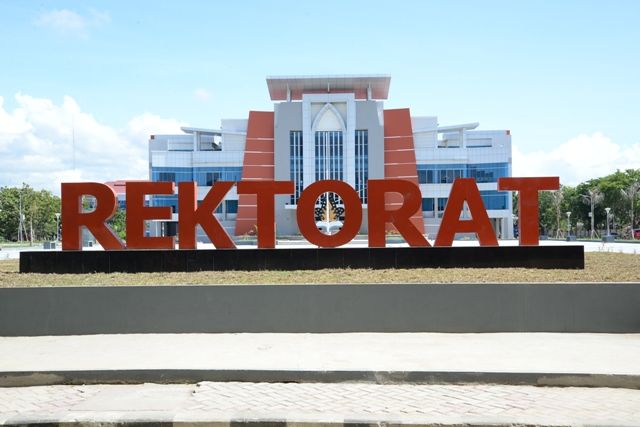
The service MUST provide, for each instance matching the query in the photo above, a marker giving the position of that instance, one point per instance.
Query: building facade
(333, 127)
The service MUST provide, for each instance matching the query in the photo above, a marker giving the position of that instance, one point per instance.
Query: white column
(350, 143)
(308, 145)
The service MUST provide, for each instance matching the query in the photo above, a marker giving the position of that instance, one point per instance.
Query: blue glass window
(442, 203)
(166, 200)
(362, 163)
(494, 199)
(422, 176)
(166, 176)
(296, 165)
(447, 173)
(488, 172)
(204, 176)
(427, 204)
(231, 206)
(212, 178)
(329, 155)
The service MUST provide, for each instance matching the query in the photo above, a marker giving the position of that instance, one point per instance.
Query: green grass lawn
(599, 267)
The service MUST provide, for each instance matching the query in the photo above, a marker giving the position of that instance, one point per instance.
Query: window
(296, 165)
(427, 204)
(329, 157)
(488, 172)
(210, 142)
(171, 201)
(442, 203)
(167, 176)
(422, 176)
(430, 179)
(213, 177)
(231, 206)
(447, 173)
(440, 174)
(209, 176)
(494, 199)
(329, 152)
(362, 163)
(447, 176)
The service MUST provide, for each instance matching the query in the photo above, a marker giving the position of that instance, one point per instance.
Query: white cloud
(577, 160)
(69, 22)
(40, 141)
(202, 94)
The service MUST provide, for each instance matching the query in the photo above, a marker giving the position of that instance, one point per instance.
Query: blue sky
(562, 76)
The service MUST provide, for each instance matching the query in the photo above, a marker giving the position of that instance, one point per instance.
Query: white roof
(296, 85)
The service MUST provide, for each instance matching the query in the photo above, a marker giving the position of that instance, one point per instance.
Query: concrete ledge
(134, 261)
(187, 376)
(600, 308)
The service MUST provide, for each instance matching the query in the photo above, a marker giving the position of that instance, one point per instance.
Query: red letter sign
(138, 213)
(465, 190)
(528, 203)
(378, 216)
(73, 218)
(192, 215)
(265, 191)
(306, 213)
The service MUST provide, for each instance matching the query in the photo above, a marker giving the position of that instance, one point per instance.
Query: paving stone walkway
(319, 403)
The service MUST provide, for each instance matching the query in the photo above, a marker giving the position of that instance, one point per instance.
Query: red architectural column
(257, 166)
(400, 158)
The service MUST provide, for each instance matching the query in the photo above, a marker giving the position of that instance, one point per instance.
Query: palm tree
(630, 193)
(594, 197)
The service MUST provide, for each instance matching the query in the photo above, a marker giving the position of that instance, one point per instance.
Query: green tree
(630, 193)
(118, 223)
(592, 198)
(546, 214)
(37, 208)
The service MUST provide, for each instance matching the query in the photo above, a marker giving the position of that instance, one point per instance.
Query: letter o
(306, 213)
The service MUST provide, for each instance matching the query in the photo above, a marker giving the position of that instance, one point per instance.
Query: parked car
(636, 233)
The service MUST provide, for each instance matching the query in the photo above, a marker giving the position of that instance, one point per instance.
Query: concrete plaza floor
(392, 393)
(234, 404)
(498, 352)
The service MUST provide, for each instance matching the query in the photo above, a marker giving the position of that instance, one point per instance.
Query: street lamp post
(608, 237)
(57, 226)
(569, 226)
(21, 228)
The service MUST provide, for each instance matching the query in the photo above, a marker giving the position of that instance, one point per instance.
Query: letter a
(465, 190)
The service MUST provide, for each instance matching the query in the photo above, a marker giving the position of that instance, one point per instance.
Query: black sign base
(136, 261)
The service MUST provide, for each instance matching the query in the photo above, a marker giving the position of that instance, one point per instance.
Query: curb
(272, 423)
(187, 376)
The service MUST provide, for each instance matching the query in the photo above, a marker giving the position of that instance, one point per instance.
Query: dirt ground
(599, 267)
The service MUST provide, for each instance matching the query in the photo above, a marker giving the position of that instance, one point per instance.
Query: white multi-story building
(333, 127)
